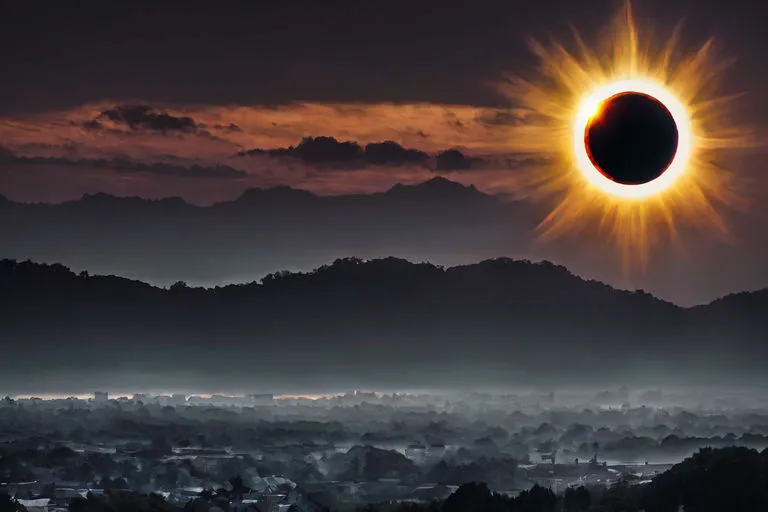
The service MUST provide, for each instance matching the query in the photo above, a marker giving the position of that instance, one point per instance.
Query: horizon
(276, 187)
(588, 393)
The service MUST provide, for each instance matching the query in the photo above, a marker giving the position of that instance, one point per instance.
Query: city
(341, 452)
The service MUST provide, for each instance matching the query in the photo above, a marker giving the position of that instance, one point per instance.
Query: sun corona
(630, 136)
(591, 107)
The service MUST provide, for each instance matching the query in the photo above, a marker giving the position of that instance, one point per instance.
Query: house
(63, 495)
(264, 503)
(271, 502)
(432, 492)
(22, 489)
(416, 451)
(210, 463)
(556, 484)
(436, 450)
(35, 505)
(262, 399)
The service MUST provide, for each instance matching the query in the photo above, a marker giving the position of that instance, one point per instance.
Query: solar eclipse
(630, 135)
(632, 138)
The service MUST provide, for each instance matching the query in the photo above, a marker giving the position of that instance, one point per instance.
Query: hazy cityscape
(348, 451)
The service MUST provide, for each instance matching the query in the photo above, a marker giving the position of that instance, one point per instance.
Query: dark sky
(228, 77)
(67, 54)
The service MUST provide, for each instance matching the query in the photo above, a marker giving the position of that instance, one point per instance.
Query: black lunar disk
(633, 138)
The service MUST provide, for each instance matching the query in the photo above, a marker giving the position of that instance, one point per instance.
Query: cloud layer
(140, 149)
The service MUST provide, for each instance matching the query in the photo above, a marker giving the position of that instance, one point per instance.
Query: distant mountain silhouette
(267, 230)
(264, 230)
(438, 187)
(381, 324)
(276, 195)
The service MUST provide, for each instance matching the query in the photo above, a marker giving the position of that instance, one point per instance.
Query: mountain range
(381, 324)
(262, 231)
(268, 230)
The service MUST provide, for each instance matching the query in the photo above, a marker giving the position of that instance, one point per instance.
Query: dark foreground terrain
(531, 451)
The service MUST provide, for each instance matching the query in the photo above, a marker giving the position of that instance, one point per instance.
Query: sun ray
(571, 84)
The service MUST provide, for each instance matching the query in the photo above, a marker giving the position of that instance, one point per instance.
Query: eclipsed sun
(631, 136)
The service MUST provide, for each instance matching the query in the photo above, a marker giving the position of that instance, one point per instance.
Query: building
(436, 450)
(556, 484)
(263, 503)
(101, 397)
(428, 493)
(178, 399)
(211, 463)
(271, 502)
(262, 399)
(416, 451)
(35, 505)
(18, 489)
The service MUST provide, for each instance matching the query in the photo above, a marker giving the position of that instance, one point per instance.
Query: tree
(711, 480)
(471, 496)
(238, 486)
(8, 504)
(576, 500)
(536, 499)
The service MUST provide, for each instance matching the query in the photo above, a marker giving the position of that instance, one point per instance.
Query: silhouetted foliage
(712, 480)
(7, 504)
(576, 500)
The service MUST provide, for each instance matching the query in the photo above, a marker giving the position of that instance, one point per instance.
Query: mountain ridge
(368, 324)
(262, 231)
(266, 230)
(750, 295)
(435, 183)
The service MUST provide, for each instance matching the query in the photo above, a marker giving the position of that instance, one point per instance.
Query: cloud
(125, 165)
(193, 171)
(392, 153)
(230, 128)
(511, 117)
(322, 153)
(109, 129)
(455, 160)
(329, 151)
(138, 117)
(93, 124)
(143, 119)
(527, 162)
(325, 148)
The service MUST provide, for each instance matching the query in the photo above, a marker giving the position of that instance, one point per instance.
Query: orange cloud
(424, 126)
(213, 136)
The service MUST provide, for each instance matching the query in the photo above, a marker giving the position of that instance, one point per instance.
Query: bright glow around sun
(590, 107)
(552, 109)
